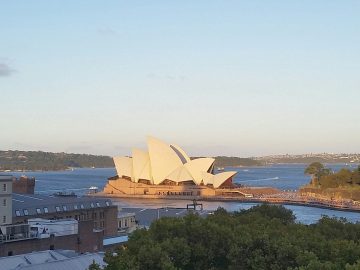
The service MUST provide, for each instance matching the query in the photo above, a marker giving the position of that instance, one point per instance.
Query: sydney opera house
(166, 170)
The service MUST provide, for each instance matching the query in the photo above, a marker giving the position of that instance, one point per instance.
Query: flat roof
(145, 216)
(115, 240)
(125, 214)
(6, 177)
(50, 260)
(32, 203)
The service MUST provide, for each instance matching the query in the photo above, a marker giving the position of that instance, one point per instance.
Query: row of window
(99, 225)
(124, 223)
(57, 208)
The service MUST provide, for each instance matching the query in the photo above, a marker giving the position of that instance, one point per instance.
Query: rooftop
(6, 178)
(51, 260)
(125, 214)
(32, 205)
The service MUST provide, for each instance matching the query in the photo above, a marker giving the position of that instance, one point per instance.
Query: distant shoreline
(224, 166)
(60, 170)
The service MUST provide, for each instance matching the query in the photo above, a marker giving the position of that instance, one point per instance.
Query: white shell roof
(141, 165)
(165, 161)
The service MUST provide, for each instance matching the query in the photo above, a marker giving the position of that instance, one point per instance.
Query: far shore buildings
(166, 170)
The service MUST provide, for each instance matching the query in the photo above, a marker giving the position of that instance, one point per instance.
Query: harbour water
(283, 177)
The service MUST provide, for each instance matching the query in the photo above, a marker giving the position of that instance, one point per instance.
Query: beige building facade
(5, 199)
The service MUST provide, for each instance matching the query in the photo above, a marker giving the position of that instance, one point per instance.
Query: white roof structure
(51, 260)
(165, 161)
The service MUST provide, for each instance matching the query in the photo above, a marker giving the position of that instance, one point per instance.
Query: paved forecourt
(145, 216)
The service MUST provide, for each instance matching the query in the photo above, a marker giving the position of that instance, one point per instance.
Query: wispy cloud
(106, 31)
(5, 70)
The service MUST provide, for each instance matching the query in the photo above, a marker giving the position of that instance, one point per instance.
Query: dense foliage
(325, 178)
(37, 160)
(264, 237)
(222, 161)
(46, 161)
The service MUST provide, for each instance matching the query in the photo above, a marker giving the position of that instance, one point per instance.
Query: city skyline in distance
(235, 79)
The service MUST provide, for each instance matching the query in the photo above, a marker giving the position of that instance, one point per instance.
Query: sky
(239, 78)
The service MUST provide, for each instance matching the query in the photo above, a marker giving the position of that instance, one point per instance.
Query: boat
(64, 194)
(93, 190)
(220, 168)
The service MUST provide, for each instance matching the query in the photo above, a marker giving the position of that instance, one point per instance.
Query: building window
(92, 205)
(4, 202)
(97, 204)
(75, 207)
(26, 212)
(81, 206)
(38, 210)
(57, 208)
(64, 208)
(4, 219)
(4, 187)
(119, 223)
(17, 213)
(46, 210)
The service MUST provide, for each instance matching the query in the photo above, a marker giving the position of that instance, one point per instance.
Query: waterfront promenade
(285, 198)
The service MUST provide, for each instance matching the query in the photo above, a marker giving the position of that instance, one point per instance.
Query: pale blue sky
(236, 78)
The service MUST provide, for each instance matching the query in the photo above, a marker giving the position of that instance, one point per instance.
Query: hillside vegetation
(344, 184)
(222, 161)
(46, 161)
(323, 177)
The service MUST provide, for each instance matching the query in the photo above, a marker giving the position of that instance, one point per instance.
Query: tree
(314, 168)
(263, 237)
(94, 266)
(317, 170)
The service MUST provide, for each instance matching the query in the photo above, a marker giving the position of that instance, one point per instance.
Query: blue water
(283, 176)
(78, 180)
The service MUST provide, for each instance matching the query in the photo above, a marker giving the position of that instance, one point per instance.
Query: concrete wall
(103, 218)
(85, 241)
(123, 186)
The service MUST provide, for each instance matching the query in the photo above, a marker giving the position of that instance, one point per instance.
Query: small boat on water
(220, 168)
(93, 190)
(64, 194)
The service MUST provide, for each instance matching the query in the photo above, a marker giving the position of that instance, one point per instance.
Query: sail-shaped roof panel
(124, 166)
(163, 159)
(197, 166)
(141, 165)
